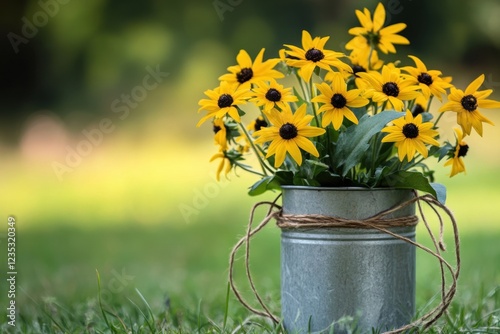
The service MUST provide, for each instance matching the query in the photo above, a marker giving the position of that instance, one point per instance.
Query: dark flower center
(425, 78)
(225, 100)
(390, 89)
(469, 102)
(357, 69)
(273, 95)
(418, 109)
(244, 75)
(288, 131)
(216, 128)
(314, 55)
(462, 151)
(338, 101)
(410, 130)
(259, 123)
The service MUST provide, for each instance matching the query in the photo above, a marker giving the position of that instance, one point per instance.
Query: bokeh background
(142, 198)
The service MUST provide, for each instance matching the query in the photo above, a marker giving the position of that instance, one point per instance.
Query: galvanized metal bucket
(330, 275)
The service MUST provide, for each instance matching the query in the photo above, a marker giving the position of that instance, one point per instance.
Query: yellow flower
(248, 72)
(225, 164)
(420, 105)
(220, 133)
(336, 99)
(410, 135)
(429, 81)
(223, 101)
(257, 124)
(372, 35)
(243, 145)
(461, 149)
(271, 95)
(359, 63)
(390, 86)
(312, 55)
(466, 105)
(289, 133)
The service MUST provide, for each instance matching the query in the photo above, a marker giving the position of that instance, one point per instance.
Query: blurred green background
(142, 198)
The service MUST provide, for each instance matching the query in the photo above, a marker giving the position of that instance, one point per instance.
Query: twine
(378, 222)
(320, 221)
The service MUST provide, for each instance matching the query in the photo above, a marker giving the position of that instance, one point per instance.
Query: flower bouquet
(349, 122)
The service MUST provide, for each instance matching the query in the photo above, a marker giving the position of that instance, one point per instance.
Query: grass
(167, 279)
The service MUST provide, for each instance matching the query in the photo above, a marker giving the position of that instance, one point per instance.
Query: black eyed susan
(389, 86)
(336, 100)
(313, 54)
(429, 81)
(372, 35)
(223, 100)
(269, 95)
(220, 132)
(360, 63)
(224, 164)
(460, 151)
(410, 136)
(466, 105)
(248, 72)
(289, 132)
(257, 124)
(421, 105)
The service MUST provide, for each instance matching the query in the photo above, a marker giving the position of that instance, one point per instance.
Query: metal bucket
(329, 275)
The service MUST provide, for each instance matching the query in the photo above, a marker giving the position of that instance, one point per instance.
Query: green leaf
(417, 181)
(264, 184)
(440, 192)
(446, 150)
(359, 112)
(241, 112)
(311, 168)
(426, 116)
(379, 175)
(354, 142)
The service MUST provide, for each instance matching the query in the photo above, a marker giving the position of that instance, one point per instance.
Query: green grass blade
(146, 317)
(226, 310)
(198, 312)
(112, 328)
(151, 325)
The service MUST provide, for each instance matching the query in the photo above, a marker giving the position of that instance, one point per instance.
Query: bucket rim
(296, 187)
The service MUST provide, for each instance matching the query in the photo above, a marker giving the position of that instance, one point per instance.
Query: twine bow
(378, 222)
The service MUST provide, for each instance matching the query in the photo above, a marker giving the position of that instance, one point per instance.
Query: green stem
(313, 105)
(375, 107)
(393, 165)
(410, 105)
(375, 152)
(411, 165)
(329, 147)
(265, 168)
(429, 104)
(301, 84)
(249, 170)
(369, 58)
(438, 119)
